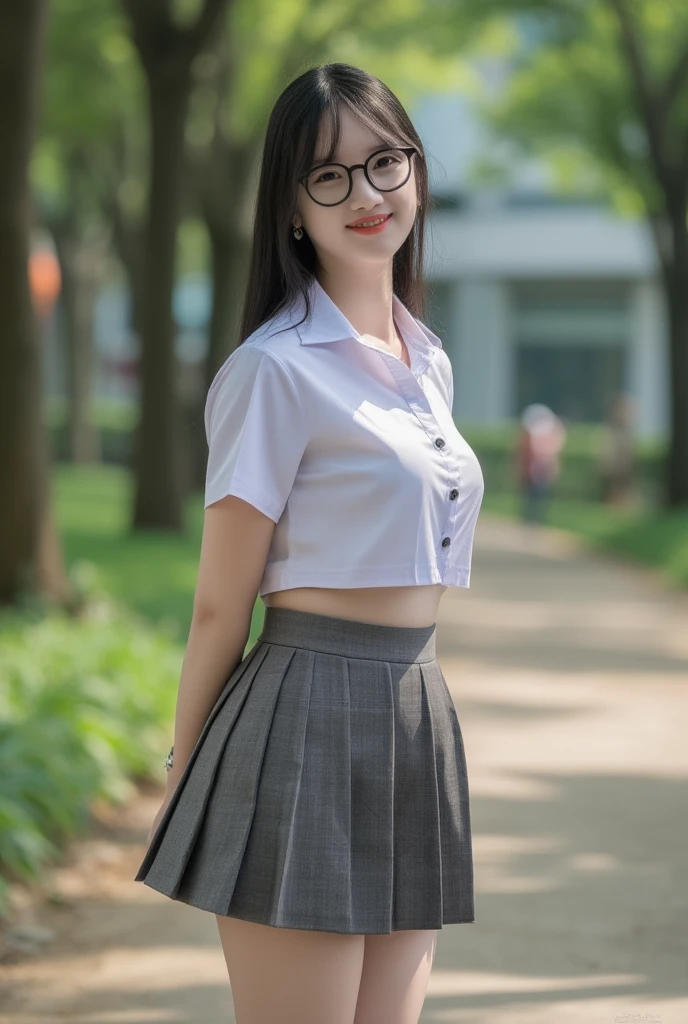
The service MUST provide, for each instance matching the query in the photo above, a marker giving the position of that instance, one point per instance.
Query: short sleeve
(256, 431)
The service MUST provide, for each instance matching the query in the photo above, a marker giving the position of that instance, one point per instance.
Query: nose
(362, 192)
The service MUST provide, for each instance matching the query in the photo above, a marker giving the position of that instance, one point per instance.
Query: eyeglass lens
(329, 183)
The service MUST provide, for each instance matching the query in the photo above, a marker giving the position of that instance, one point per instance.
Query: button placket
(413, 392)
(452, 517)
(423, 410)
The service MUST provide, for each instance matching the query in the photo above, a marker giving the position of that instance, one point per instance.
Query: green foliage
(93, 111)
(153, 573)
(414, 47)
(570, 96)
(579, 476)
(86, 704)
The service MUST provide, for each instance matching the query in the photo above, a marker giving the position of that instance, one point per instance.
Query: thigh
(394, 981)
(290, 975)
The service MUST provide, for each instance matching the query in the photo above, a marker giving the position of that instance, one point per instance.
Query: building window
(571, 347)
(576, 382)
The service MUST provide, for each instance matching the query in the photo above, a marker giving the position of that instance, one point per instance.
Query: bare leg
(289, 975)
(394, 981)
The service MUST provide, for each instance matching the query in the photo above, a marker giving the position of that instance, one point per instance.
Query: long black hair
(282, 268)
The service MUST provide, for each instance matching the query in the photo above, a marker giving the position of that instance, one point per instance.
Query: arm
(256, 436)
(234, 550)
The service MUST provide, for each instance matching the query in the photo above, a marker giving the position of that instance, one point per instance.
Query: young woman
(317, 797)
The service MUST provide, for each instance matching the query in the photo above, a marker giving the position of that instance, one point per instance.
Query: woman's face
(326, 226)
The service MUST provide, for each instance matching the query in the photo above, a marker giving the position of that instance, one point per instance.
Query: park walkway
(570, 677)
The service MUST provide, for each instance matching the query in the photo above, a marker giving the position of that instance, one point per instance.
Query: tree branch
(156, 33)
(206, 24)
(147, 19)
(676, 79)
(648, 101)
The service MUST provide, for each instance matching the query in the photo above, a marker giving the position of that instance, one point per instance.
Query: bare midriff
(385, 606)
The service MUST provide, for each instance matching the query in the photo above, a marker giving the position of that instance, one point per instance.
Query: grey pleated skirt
(328, 788)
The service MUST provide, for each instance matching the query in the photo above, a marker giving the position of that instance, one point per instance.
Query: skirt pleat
(328, 789)
(170, 849)
(453, 802)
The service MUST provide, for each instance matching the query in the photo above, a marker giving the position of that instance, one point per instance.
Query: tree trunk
(158, 500)
(128, 243)
(83, 435)
(225, 171)
(167, 53)
(80, 266)
(676, 490)
(229, 264)
(28, 539)
(230, 252)
(672, 249)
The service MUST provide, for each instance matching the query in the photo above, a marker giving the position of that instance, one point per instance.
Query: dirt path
(569, 674)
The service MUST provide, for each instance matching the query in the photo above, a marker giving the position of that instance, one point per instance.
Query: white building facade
(537, 298)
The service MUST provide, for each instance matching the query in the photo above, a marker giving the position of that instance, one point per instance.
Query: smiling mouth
(373, 223)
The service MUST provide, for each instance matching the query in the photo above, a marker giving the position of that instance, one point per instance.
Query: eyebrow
(382, 144)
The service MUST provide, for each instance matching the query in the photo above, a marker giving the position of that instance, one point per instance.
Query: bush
(86, 705)
(579, 479)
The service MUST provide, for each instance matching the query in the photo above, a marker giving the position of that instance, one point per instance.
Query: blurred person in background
(541, 438)
(617, 462)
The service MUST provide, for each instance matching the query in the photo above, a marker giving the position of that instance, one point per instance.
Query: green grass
(657, 539)
(154, 572)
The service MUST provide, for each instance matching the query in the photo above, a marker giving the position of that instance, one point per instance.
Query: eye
(387, 156)
(322, 176)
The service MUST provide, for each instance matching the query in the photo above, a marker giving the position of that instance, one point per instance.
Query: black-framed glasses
(386, 169)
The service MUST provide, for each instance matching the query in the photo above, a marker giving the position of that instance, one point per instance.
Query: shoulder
(443, 363)
(443, 374)
(270, 349)
(440, 361)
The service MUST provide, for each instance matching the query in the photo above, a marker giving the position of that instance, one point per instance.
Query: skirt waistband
(348, 638)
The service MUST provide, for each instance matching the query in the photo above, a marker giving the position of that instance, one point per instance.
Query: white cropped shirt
(354, 455)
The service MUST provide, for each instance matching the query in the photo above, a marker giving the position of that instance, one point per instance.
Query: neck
(366, 300)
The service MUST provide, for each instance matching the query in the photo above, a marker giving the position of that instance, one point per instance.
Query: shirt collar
(328, 323)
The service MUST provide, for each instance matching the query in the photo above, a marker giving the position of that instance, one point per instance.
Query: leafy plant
(86, 705)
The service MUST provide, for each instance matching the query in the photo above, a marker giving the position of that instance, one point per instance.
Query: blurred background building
(538, 299)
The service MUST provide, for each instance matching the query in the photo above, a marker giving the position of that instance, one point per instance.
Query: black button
(439, 442)
(453, 493)
(446, 542)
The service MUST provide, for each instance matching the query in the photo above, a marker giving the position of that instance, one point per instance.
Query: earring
(298, 233)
